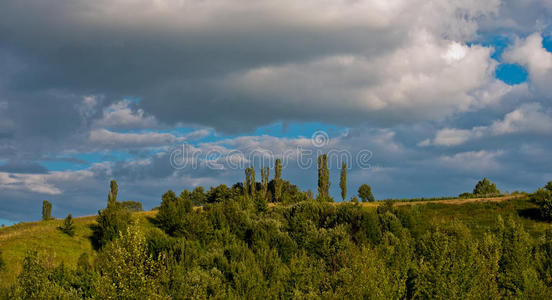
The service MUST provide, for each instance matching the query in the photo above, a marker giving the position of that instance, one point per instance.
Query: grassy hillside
(48, 240)
(478, 216)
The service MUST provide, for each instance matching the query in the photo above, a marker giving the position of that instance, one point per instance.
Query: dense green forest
(269, 239)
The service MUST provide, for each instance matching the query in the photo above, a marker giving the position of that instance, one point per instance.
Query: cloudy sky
(423, 97)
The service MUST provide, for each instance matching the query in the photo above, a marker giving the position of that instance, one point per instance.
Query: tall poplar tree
(264, 181)
(46, 210)
(343, 180)
(253, 186)
(278, 180)
(247, 183)
(112, 195)
(323, 177)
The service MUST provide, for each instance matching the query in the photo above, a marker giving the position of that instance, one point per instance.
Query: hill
(47, 239)
(479, 214)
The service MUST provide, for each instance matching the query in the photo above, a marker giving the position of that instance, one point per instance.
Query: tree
(264, 182)
(112, 195)
(46, 210)
(343, 181)
(132, 206)
(253, 186)
(485, 187)
(198, 196)
(365, 193)
(548, 186)
(323, 177)
(112, 219)
(543, 198)
(246, 183)
(278, 180)
(128, 271)
(68, 227)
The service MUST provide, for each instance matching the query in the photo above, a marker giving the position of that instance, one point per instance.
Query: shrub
(132, 206)
(127, 270)
(68, 227)
(543, 198)
(111, 220)
(365, 193)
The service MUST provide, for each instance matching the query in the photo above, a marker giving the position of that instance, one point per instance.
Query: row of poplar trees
(323, 182)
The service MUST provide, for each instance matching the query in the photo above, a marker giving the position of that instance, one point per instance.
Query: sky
(420, 98)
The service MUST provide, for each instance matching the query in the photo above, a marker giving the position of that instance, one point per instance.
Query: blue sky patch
(511, 73)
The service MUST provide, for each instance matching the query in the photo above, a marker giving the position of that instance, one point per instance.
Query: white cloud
(427, 78)
(531, 54)
(528, 118)
(103, 138)
(472, 160)
(121, 116)
(42, 183)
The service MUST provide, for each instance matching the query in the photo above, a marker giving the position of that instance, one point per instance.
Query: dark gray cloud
(112, 78)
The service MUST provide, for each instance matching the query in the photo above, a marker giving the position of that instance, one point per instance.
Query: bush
(68, 227)
(543, 198)
(132, 206)
(111, 221)
(365, 193)
(127, 270)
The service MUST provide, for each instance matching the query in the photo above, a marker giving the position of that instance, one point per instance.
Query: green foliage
(365, 193)
(220, 193)
(2, 263)
(127, 271)
(46, 210)
(111, 221)
(264, 182)
(308, 249)
(323, 177)
(278, 180)
(543, 197)
(68, 227)
(548, 186)
(198, 196)
(343, 181)
(112, 195)
(132, 206)
(485, 187)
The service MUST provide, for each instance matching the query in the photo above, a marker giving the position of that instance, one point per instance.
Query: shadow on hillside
(95, 237)
(153, 220)
(532, 213)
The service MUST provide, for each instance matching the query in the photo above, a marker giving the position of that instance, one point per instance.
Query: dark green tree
(278, 180)
(548, 186)
(343, 181)
(323, 177)
(543, 198)
(253, 187)
(112, 195)
(247, 183)
(485, 187)
(68, 227)
(264, 182)
(198, 196)
(365, 193)
(111, 220)
(46, 210)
